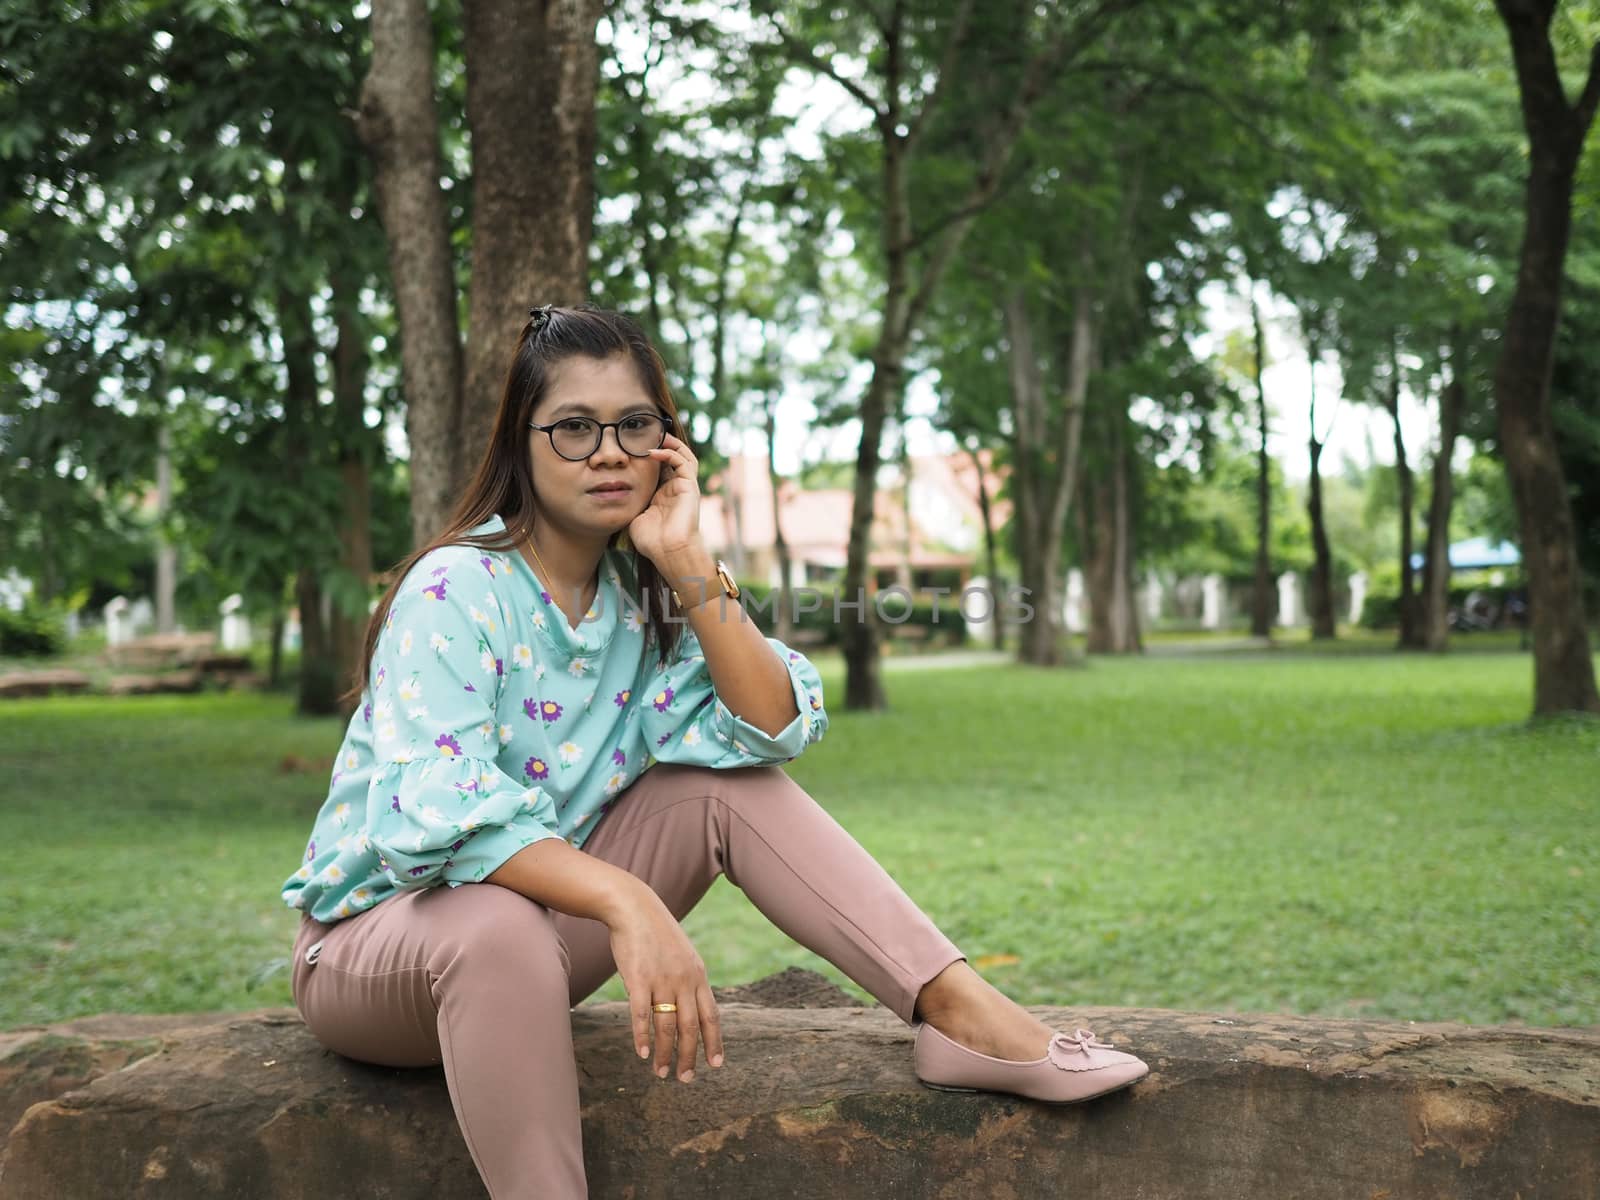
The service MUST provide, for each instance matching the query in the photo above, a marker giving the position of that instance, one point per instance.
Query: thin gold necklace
(543, 570)
(549, 579)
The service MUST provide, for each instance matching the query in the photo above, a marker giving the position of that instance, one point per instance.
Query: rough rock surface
(793, 987)
(16, 685)
(173, 682)
(823, 1103)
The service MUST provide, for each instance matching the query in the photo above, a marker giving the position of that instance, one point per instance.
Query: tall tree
(1557, 126)
(1263, 598)
(914, 56)
(531, 74)
(1435, 101)
(195, 193)
(399, 124)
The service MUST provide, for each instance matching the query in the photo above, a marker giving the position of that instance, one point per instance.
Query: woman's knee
(492, 927)
(765, 790)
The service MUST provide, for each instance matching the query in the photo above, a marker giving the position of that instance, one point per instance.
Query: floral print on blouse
(488, 723)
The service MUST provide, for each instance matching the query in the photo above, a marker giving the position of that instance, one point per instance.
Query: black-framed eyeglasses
(576, 438)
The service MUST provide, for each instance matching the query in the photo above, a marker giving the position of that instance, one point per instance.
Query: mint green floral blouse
(488, 723)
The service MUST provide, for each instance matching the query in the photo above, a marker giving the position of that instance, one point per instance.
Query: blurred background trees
(263, 264)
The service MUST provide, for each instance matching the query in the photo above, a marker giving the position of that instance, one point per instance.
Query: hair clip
(540, 316)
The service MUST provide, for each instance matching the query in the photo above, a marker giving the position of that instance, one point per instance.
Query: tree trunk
(1410, 624)
(166, 552)
(1435, 608)
(1046, 449)
(1039, 557)
(1319, 601)
(1108, 557)
(991, 561)
(784, 623)
(863, 677)
(1263, 595)
(722, 404)
(1320, 598)
(900, 132)
(318, 676)
(906, 574)
(532, 73)
(399, 125)
(1563, 670)
(275, 651)
(349, 625)
(318, 673)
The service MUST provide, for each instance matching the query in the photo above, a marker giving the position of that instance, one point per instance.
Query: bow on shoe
(1063, 1048)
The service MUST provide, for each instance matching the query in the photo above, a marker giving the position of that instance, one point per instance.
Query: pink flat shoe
(1074, 1067)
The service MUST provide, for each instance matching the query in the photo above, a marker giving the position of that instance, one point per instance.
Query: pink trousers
(481, 978)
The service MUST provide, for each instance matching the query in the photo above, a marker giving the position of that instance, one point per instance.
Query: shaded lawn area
(1301, 833)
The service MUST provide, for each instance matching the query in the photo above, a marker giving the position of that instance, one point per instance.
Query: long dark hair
(503, 482)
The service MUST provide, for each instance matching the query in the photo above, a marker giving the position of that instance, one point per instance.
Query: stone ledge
(822, 1103)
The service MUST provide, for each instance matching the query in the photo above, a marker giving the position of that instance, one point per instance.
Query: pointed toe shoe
(1075, 1067)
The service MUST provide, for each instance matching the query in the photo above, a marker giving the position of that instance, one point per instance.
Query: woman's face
(601, 494)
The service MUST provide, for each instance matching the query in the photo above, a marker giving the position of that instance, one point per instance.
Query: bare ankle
(943, 992)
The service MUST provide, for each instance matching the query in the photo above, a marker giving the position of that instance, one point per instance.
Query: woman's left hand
(672, 521)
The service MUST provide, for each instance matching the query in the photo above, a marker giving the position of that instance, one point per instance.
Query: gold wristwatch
(725, 577)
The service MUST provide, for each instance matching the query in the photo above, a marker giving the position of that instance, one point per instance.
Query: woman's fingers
(710, 1025)
(682, 464)
(639, 1009)
(688, 1039)
(676, 443)
(679, 455)
(694, 1022)
(666, 1038)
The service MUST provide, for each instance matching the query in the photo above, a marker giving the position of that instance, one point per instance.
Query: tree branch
(962, 212)
(947, 61)
(1590, 98)
(1544, 103)
(891, 73)
(805, 56)
(1042, 67)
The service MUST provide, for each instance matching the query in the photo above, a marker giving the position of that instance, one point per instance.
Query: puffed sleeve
(685, 721)
(440, 809)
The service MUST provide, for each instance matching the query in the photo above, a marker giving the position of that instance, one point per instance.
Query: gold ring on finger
(664, 1008)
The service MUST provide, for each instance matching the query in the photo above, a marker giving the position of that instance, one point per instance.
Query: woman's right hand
(659, 965)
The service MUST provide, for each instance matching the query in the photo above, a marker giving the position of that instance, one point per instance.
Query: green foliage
(1575, 396)
(1483, 502)
(31, 632)
(191, 183)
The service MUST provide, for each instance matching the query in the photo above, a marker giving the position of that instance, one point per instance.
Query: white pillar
(1211, 602)
(117, 628)
(1152, 598)
(1358, 596)
(1072, 603)
(235, 625)
(1288, 599)
(166, 552)
(979, 608)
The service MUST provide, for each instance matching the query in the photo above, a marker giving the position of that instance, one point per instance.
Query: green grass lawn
(1305, 833)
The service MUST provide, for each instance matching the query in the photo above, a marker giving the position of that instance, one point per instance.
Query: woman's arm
(746, 671)
(654, 956)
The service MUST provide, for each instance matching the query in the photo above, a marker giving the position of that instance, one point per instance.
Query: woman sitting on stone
(575, 734)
